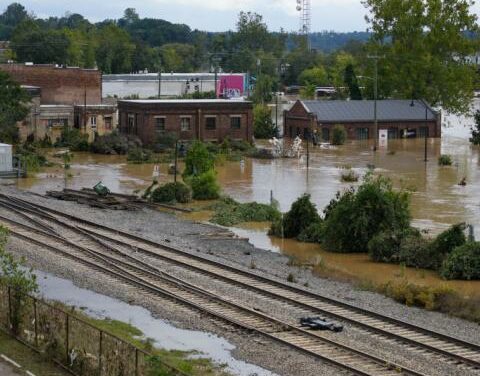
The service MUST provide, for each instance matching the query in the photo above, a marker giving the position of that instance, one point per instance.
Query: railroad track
(151, 280)
(449, 348)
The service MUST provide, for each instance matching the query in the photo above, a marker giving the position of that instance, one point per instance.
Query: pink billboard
(231, 86)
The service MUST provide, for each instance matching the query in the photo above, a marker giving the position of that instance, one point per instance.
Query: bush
(349, 176)
(205, 186)
(263, 126)
(113, 144)
(446, 242)
(354, 217)
(198, 160)
(73, 139)
(416, 251)
(339, 135)
(139, 155)
(445, 160)
(463, 262)
(31, 157)
(229, 212)
(165, 141)
(385, 246)
(302, 214)
(172, 192)
(313, 233)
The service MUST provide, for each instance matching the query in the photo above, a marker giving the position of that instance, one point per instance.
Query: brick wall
(59, 85)
(145, 116)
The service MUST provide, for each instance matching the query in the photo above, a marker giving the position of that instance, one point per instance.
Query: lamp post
(375, 96)
(425, 151)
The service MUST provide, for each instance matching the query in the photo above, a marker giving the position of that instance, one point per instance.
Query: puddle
(165, 335)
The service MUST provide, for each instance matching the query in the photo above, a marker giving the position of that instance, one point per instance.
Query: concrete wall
(59, 85)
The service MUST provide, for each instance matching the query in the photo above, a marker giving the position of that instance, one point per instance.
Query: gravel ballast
(213, 242)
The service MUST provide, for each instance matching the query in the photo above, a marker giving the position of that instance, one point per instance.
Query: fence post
(67, 343)
(9, 308)
(35, 321)
(100, 350)
(137, 373)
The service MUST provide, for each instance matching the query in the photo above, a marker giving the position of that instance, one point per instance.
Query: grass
(445, 160)
(28, 359)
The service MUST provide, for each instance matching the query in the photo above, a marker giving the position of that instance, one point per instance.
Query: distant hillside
(328, 41)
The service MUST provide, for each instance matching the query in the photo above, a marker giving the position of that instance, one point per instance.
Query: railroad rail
(142, 276)
(455, 350)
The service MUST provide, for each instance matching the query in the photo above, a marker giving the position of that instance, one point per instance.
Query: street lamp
(375, 96)
(426, 131)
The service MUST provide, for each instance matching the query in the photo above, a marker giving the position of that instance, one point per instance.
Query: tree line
(422, 48)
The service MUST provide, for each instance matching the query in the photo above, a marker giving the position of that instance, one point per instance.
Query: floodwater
(165, 335)
(437, 199)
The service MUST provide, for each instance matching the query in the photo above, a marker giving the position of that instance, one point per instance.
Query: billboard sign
(231, 86)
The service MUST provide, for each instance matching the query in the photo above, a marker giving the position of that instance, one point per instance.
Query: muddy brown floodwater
(437, 199)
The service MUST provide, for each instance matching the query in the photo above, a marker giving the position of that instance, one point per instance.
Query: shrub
(205, 186)
(73, 139)
(165, 141)
(31, 157)
(229, 212)
(445, 160)
(349, 176)
(339, 135)
(446, 242)
(240, 145)
(112, 144)
(302, 214)
(415, 251)
(463, 262)
(263, 126)
(475, 139)
(313, 233)
(354, 217)
(139, 155)
(198, 160)
(385, 246)
(172, 192)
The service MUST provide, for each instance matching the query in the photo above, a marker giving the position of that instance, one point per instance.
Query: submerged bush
(73, 139)
(302, 214)
(113, 143)
(172, 192)
(339, 135)
(445, 160)
(229, 212)
(205, 186)
(354, 217)
(198, 160)
(139, 155)
(349, 176)
(446, 242)
(463, 262)
(313, 233)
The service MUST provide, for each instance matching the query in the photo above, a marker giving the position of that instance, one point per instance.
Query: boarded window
(210, 123)
(235, 122)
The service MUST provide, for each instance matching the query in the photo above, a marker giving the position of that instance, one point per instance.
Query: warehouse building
(401, 118)
(204, 119)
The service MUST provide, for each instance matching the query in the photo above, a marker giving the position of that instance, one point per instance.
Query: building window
(362, 133)
(325, 134)
(185, 124)
(159, 124)
(93, 121)
(211, 123)
(108, 122)
(392, 133)
(131, 121)
(235, 122)
(57, 122)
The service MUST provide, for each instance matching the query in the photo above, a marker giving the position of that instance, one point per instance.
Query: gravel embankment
(213, 242)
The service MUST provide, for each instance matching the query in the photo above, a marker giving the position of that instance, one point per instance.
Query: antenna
(305, 9)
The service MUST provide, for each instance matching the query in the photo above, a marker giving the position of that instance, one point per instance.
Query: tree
(13, 15)
(13, 107)
(352, 83)
(114, 49)
(178, 57)
(263, 126)
(198, 160)
(475, 139)
(263, 89)
(426, 44)
(314, 76)
(252, 32)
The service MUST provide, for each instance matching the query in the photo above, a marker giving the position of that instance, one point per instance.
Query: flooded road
(437, 199)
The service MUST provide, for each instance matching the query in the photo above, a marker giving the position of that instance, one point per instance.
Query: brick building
(402, 119)
(203, 119)
(59, 85)
(94, 119)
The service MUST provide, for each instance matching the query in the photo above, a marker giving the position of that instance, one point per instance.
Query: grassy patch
(28, 359)
(228, 212)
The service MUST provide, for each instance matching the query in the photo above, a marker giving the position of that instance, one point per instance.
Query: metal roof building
(402, 118)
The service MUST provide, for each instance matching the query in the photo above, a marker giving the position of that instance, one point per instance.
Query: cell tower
(304, 8)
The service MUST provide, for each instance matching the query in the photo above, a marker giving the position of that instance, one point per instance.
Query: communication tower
(305, 9)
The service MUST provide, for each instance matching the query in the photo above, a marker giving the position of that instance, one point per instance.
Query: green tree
(315, 76)
(426, 43)
(339, 135)
(21, 281)
(178, 57)
(114, 49)
(198, 160)
(475, 139)
(263, 89)
(308, 91)
(10, 18)
(352, 83)
(13, 107)
(263, 126)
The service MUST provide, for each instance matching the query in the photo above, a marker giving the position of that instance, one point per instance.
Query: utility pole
(425, 132)
(85, 109)
(375, 94)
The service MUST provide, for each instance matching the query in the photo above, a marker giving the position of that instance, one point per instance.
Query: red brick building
(59, 85)
(402, 119)
(202, 119)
